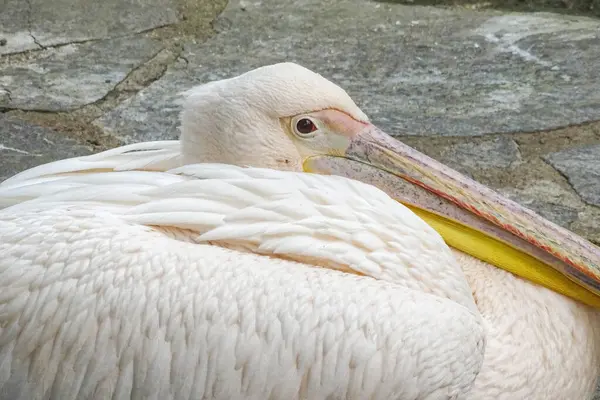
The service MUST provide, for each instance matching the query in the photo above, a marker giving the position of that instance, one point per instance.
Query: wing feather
(150, 156)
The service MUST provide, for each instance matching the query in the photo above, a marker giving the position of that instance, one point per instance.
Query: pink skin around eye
(341, 122)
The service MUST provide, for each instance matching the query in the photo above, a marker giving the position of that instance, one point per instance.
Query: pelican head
(275, 116)
(287, 117)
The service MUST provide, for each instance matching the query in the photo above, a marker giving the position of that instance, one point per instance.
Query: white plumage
(136, 273)
(117, 283)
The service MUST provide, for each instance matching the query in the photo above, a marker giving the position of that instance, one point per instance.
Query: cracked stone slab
(414, 70)
(32, 24)
(153, 114)
(24, 145)
(499, 152)
(581, 166)
(71, 76)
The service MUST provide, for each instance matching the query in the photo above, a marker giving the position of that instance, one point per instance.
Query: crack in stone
(8, 92)
(30, 24)
(169, 54)
(184, 58)
(41, 46)
(135, 81)
(567, 180)
(59, 45)
(77, 41)
(138, 79)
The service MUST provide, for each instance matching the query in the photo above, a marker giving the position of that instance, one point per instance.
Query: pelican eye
(305, 126)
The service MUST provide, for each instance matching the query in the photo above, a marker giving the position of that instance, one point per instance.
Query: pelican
(285, 248)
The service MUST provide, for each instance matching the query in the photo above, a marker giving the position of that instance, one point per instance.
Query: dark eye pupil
(305, 126)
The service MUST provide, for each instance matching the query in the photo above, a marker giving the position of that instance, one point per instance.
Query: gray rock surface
(33, 24)
(500, 152)
(14, 27)
(588, 224)
(581, 166)
(24, 145)
(414, 70)
(154, 113)
(67, 77)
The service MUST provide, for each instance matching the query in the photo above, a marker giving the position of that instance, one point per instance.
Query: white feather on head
(237, 120)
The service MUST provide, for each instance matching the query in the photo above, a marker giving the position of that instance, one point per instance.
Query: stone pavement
(508, 98)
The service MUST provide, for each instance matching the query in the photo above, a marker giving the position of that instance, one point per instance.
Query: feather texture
(90, 280)
(295, 215)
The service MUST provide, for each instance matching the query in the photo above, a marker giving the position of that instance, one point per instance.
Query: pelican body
(285, 248)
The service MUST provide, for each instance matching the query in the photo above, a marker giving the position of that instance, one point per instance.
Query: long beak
(470, 216)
